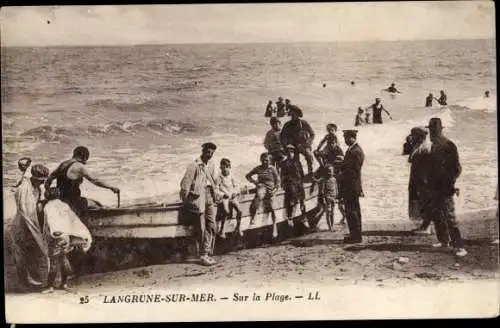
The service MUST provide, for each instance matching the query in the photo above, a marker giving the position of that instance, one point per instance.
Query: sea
(144, 110)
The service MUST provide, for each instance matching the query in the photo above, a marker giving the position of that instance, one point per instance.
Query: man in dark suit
(350, 186)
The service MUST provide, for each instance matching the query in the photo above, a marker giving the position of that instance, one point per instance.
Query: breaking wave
(156, 126)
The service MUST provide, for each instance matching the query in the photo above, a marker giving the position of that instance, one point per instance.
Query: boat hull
(169, 221)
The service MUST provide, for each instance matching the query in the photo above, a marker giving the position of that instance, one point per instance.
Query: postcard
(250, 162)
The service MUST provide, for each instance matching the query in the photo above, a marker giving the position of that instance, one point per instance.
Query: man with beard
(446, 169)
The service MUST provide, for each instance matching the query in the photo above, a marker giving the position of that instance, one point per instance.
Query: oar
(118, 196)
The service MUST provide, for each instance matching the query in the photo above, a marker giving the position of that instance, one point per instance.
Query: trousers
(206, 226)
(353, 217)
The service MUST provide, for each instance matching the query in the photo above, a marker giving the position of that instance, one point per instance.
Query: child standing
(229, 191)
(267, 184)
(24, 164)
(328, 192)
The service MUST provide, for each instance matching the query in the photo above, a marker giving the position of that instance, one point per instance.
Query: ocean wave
(156, 126)
(477, 103)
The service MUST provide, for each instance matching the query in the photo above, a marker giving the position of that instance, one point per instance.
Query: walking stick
(118, 196)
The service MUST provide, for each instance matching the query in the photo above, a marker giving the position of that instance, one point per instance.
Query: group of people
(279, 109)
(435, 167)
(47, 235)
(211, 195)
(442, 100)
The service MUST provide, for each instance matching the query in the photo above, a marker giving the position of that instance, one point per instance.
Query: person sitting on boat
(69, 176)
(229, 190)
(292, 179)
(331, 149)
(267, 183)
(63, 231)
(273, 144)
(24, 165)
(299, 133)
(199, 194)
(359, 119)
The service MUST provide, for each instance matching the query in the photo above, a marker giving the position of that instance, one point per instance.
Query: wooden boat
(154, 220)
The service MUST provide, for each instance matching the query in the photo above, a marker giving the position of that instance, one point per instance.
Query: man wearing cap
(69, 176)
(29, 247)
(298, 132)
(445, 170)
(351, 186)
(199, 195)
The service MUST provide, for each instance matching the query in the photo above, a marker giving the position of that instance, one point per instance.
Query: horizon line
(236, 42)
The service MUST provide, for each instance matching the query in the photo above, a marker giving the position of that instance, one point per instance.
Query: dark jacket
(446, 167)
(297, 133)
(350, 182)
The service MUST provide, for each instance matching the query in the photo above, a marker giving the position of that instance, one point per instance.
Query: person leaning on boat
(199, 195)
(69, 176)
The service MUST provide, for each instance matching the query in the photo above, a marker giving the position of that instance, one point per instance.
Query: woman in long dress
(25, 241)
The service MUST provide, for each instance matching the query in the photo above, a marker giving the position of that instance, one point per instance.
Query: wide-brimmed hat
(435, 122)
(39, 172)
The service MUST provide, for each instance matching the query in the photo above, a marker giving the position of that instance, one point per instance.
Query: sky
(247, 23)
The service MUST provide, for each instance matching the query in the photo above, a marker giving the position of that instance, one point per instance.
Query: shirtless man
(442, 99)
(69, 175)
(392, 89)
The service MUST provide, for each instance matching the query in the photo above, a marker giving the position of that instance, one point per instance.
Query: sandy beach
(389, 270)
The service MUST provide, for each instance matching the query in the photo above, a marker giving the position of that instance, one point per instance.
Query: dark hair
(225, 162)
(274, 120)
(81, 152)
(24, 159)
(263, 155)
(332, 125)
(52, 193)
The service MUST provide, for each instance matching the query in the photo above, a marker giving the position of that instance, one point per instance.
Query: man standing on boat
(69, 176)
(198, 193)
(351, 187)
(298, 132)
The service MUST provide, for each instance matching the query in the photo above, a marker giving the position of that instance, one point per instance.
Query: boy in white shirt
(229, 190)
